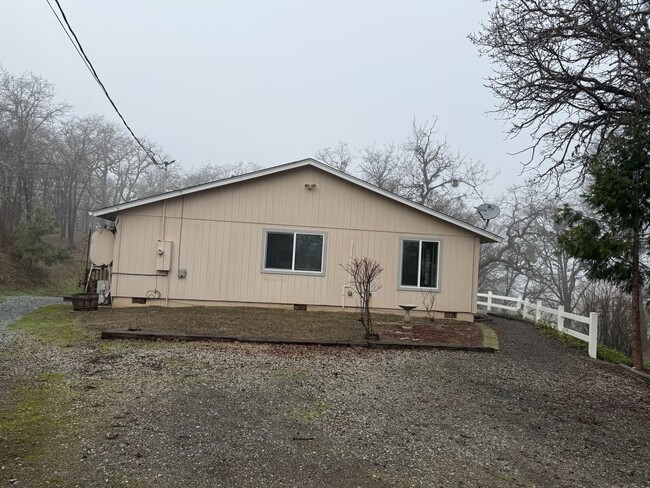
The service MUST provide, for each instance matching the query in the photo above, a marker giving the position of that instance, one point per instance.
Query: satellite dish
(101, 247)
(488, 211)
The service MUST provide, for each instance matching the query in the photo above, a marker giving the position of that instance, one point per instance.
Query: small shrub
(428, 301)
(29, 245)
(602, 351)
(364, 273)
(612, 355)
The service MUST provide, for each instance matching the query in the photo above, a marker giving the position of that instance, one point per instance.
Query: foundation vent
(299, 306)
(451, 315)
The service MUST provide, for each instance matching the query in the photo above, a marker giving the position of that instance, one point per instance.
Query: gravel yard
(128, 413)
(15, 307)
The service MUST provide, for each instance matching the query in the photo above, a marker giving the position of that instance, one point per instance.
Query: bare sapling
(429, 300)
(364, 274)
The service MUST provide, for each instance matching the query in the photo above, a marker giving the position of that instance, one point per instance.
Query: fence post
(538, 311)
(560, 318)
(489, 301)
(520, 300)
(526, 307)
(593, 334)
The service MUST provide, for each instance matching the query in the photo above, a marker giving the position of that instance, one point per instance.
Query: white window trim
(399, 267)
(292, 271)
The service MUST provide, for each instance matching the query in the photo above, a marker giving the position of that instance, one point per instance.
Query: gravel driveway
(15, 307)
(234, 415)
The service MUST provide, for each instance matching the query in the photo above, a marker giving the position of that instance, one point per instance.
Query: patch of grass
(489, 337)
(108, 346)
(36, 415)
(53, 324)
(291, 377)
(309, 413)
(613, 355)
(63, 288)
(602, 351)
(2, 299)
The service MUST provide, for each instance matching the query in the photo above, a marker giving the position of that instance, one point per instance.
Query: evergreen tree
(29, 245)
(613, 243)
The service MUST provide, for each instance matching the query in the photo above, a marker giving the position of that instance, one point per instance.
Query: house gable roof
(110, 213)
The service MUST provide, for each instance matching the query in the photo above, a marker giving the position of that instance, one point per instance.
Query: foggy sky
(270, 81)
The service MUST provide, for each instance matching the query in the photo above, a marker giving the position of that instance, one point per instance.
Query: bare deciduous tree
(364, 273)
(381, 166)
(214, 172)
(571, 72)
(28, 113)
(70, 165)
(530, 261)
(338, 157)
(614, 317)
(433, 175)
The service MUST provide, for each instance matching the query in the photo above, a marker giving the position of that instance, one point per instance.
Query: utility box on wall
(164, 255)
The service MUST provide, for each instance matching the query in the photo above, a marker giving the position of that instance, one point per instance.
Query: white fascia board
(487, 236)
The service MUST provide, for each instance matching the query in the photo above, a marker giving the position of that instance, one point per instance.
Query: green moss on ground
(35, 416)
(309, 413)
(489, 337)
(63, 288)
(54, 324)
(602, 352)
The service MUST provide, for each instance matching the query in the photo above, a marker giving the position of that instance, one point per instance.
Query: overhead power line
(72, 36)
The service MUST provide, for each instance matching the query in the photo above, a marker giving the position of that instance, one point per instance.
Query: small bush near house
(364, 273)
(429, 301)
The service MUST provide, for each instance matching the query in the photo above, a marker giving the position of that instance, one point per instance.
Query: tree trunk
(71, 222)
(368, 319)
(637, 356)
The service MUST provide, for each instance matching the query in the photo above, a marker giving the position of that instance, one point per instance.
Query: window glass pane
(429, 265)
(279, 251)
(309, 252)
(410, 263)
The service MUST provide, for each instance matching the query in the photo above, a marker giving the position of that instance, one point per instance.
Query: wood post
(593, 334)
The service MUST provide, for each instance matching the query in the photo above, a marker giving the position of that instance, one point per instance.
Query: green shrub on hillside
(29, 245)
(602, 351)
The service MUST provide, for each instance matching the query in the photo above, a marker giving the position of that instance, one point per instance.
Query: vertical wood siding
(218, 237)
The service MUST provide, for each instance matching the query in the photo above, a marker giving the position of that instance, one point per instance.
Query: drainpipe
(349, 285)
(164, 223)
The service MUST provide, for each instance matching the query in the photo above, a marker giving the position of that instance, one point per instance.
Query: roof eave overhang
(110, 213)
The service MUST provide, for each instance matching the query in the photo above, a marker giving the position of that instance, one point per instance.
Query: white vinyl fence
(536, 312)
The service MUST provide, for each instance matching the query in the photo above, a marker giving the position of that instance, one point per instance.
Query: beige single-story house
(278, 237)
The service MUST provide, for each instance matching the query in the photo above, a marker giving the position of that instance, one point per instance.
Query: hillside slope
(59, 279)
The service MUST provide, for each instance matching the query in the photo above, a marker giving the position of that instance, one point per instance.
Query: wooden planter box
(85, 301)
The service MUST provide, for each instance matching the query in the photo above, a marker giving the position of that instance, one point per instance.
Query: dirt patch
(447, 332)
(277, 324)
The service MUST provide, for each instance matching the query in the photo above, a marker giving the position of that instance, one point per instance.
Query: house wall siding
(218, 237)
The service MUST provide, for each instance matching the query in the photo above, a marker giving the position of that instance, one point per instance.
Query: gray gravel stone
(13, 308)
(238, 415)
